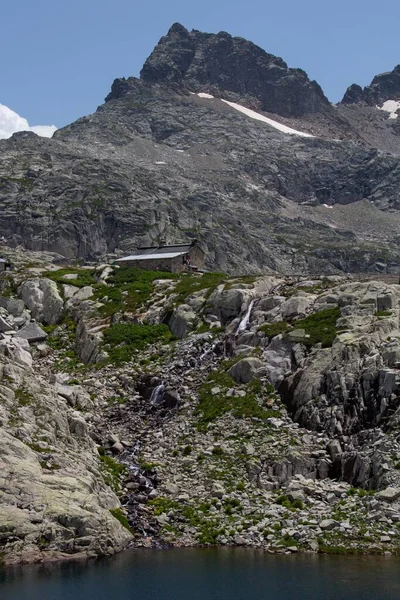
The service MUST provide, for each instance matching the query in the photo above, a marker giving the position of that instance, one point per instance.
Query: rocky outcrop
(54, 502)
(182, 321)
(385, 86)
(42, 298)
(220, 64)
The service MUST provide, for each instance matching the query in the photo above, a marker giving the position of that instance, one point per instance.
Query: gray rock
(42, 298)
(84, 293)
(227, 304)
(69, 290)
(390, 494)
(182, 321)
(328, 524)
(171, 488)
(239, 540)
(295, 306)
(13, 306)
(31, 332)
(4, 326)
(217, 490)
(247, 369)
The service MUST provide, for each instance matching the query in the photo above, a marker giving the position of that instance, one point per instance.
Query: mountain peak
(233, 67)
(177, 29)
(385, 86)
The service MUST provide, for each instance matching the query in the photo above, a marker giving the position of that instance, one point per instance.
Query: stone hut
(174, 259)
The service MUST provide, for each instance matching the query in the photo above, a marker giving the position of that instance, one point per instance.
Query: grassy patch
(36, 448)
(124, 339)
(190, 283)
(84, 277)
(112, 471)
(162, 505)
(119, 514)
(320, 327)
(137, 284)
(381, 314)
(213, 406)
(273, 329)
(23, 397)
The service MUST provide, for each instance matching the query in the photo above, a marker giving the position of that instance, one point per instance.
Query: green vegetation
(212, 406)
(36, 448)
(162, 505)
(112, 470)
(145, 465)
(190, 283)
(24, 182)
(208, 529)
(284, 501)
(130, 288)
(84, 276)
(381, 314)
(23, 397)
(273, 329)
(126, 338)
(119, 514)
(217, 451)
(320, 327)
(288, 541)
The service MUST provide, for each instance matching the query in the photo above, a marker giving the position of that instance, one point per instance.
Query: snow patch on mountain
(258, 117)
(391, 106)
(11, 122)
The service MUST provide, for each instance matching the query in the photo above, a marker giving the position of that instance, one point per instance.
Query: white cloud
(11, 122)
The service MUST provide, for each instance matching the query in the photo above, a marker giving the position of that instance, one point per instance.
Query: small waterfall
(157, 395)
(245, 321)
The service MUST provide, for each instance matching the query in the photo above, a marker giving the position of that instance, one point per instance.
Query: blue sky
(60, 58)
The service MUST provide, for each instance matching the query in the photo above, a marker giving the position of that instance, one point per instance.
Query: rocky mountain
(218, 141)
(232, 68)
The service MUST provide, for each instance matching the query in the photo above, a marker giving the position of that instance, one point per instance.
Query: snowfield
(258, 117)
(391, 106)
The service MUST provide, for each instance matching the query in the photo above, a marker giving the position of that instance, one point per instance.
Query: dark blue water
(236, 574)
